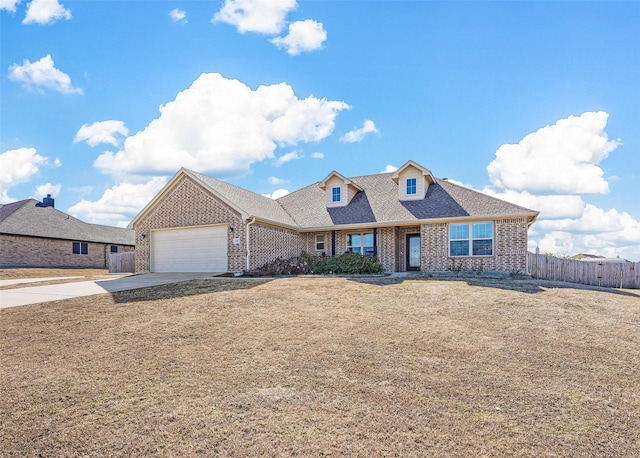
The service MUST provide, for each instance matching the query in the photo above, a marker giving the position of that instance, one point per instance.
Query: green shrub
(347, 263)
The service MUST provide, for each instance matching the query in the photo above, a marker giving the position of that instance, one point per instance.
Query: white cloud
(178, 15)
(389, 168)
(287, 157)
(551, 206)
(17, 166)
(276, 180)
(317, 155)
(80, 189)
(220, 125)
(9, 5)
(559, 159)
(101, 132)
(303, 36)
(594, 230)
(357, 135)
(43, 190)
(119, 204)
(42, 74)
(45, 12)
(596, 220)
(548, 171)
(277, 194)
(261, 16)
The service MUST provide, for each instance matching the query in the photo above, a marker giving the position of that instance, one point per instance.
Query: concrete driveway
(39, 294)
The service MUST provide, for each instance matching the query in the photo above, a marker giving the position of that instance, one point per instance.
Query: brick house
(35, 234)
(409, 219)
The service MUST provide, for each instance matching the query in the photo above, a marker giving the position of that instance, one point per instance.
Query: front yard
(325, 366)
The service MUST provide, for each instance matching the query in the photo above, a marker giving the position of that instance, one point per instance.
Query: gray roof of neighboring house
(26, 218)
(254, 205)
(379, 203)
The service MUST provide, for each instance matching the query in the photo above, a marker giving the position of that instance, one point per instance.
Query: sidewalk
(39, 294)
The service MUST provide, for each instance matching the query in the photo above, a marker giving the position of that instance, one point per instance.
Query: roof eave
(457, 219)
(425, 172)
(347, 181)
(262, 220)
(170, 184)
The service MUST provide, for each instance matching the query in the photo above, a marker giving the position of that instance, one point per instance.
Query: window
(474, 239)
(320, 242)
(80, 248)
(360, 243)
(412, 186)
(335, 194)
(114, 248)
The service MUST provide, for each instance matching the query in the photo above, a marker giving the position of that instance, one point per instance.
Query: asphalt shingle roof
(25, 217)
(254, 205)
(379, 203)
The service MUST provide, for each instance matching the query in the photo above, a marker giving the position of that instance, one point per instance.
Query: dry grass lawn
(325, 366)
(45, 272)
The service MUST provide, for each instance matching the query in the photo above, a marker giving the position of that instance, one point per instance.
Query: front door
(413, 252)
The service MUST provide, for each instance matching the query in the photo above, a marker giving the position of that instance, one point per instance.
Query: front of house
(408, 219)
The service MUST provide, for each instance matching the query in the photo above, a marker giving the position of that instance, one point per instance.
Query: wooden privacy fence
(608, 274)
(122, 262)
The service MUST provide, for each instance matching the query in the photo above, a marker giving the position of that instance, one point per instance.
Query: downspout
(253, 220)
(375, 241)
(333, 244)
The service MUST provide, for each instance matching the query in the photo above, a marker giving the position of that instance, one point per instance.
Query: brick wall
(268, 243)
(20, 251)
(388, 248)
(510, 248)
(511, 244)
(189, 204)
(310, 243)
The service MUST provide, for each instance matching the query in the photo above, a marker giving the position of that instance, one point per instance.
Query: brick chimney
(47, 202)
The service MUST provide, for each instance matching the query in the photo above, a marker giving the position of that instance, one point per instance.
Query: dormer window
(412, 186)
(335, 194)
(338, 190)
(413, 181)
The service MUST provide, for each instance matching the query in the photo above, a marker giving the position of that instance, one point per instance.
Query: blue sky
(534, 102)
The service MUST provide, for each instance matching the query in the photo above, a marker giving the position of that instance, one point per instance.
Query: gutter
(253, 220)
(418, 222)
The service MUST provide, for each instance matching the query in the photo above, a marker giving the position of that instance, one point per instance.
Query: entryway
(412, 250)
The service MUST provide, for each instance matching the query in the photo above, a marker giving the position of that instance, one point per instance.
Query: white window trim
(80, 248)
(362, 246)
(324, 243)
(471, 239)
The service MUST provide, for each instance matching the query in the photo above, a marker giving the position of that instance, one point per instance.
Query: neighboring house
(409, 219)
(598, 259)
(34, 234)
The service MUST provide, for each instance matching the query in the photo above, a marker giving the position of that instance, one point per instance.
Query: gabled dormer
(338, 190)
(413, 181)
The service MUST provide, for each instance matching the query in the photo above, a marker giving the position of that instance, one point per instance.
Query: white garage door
(193, 249)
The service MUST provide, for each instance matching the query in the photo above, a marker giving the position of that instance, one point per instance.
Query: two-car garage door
(192, 249)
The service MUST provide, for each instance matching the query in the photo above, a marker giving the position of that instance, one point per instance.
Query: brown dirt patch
(324, 366)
